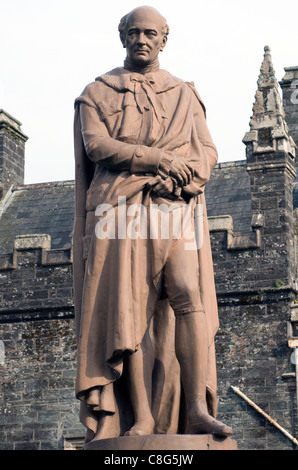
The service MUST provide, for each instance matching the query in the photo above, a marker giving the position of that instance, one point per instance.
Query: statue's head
(143, 32)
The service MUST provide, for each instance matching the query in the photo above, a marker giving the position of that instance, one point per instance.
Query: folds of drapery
(116, 282)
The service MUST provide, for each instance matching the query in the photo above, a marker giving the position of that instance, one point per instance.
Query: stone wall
(40, 410)
(255, 274)
(253, 354)
(38, 363)
(252, 350)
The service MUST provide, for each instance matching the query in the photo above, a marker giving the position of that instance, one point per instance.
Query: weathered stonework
(289, 85)
(12, 152)
(257, 285)
(38, 406)
(39, 365)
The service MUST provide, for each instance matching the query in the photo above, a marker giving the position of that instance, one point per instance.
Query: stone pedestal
(175, 442)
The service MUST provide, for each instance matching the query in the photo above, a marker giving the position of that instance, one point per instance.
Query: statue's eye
(150, 34)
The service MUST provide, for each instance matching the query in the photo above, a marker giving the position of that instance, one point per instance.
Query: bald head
(144, 14)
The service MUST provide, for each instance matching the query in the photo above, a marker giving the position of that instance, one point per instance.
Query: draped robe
(123, 122)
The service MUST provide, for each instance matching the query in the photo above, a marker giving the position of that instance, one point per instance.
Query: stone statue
(145, 304)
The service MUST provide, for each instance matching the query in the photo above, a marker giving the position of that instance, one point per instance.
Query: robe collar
(122, 79)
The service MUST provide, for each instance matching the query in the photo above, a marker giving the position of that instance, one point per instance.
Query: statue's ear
(164, 42)
(123, 39)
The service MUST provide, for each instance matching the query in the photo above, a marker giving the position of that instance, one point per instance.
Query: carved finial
(267, 73)
(268, 117)
(267, 107)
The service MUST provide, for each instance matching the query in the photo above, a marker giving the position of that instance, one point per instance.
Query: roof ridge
(230, 164)
(47, 184)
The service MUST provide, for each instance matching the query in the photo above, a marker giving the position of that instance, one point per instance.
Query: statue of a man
(146, 310)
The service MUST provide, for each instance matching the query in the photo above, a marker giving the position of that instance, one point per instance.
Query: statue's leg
(191, 338)
(139, 369)
(192, 353)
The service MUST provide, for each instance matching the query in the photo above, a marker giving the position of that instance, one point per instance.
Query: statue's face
(144, 38)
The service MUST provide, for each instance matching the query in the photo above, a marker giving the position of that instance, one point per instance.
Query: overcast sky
(50, 50)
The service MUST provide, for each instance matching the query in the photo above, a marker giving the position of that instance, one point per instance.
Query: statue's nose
(141, 39)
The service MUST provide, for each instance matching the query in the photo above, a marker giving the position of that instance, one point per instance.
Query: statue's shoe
(141, 428)
(200, 422)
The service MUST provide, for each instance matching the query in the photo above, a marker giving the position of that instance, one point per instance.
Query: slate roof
(48, 208)
(228, 193)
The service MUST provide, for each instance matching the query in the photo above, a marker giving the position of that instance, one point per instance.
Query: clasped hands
(174, 172)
